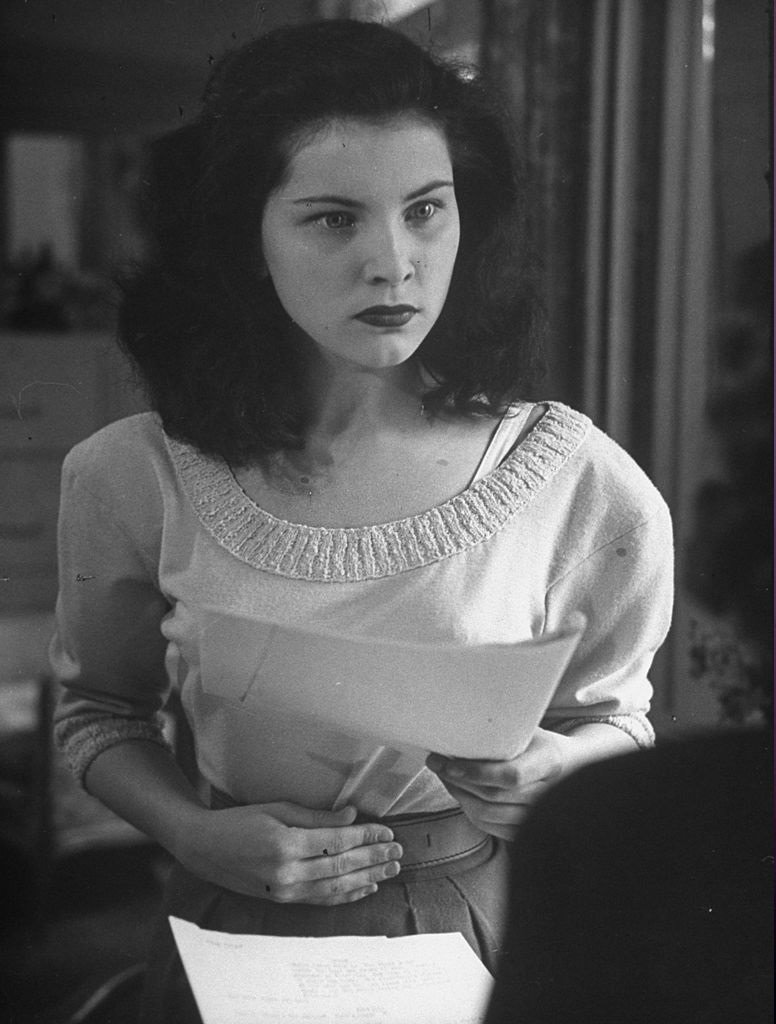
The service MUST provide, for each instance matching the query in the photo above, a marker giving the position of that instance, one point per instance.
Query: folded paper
(481, 701)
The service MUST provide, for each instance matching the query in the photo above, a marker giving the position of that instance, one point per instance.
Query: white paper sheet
(418, 979)
(477, 702)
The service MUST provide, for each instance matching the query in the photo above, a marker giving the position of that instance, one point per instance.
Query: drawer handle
(21, 415)
(21, 531)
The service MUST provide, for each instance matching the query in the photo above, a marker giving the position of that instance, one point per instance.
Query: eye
(336, 220)
(424, 210)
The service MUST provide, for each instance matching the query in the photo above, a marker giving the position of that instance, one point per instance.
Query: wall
(24, 640)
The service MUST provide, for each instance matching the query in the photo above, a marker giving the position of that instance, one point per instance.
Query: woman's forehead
(367, 155)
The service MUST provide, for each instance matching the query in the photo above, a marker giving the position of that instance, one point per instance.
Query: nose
(388, 258)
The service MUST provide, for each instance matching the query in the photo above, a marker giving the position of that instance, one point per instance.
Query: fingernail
(384, 836)
(391, 869)
(394, 852)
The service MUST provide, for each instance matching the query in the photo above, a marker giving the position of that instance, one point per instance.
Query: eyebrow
(355, 204)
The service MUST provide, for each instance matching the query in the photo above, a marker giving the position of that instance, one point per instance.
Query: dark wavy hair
(202, 321)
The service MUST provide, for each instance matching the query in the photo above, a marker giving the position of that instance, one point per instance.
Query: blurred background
(646, 130)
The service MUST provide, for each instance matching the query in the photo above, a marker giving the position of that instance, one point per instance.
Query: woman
(338, 335)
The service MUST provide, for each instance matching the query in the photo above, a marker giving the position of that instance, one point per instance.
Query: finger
(331, 891)
(348, 897)
(489, 815)
(360, 858)
(340, 889)
(505, 775)
(330, 842)
(495, 798)
(337, 899)
(485, 811)
(502, 829)
(489, 793)
(297, 816)
(501, 820)
(321, 833)
(507, 832)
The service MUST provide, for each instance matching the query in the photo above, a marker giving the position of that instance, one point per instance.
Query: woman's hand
(290, 854)
(496, 795)
(279, 851)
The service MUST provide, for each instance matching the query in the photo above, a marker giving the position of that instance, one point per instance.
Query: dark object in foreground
(643, 891)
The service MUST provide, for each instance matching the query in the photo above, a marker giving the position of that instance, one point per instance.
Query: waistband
(438, 843)
(443, 839)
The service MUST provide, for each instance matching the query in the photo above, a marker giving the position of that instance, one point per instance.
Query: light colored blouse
(156, 538)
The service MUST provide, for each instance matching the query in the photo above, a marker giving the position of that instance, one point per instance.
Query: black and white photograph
(386, 511)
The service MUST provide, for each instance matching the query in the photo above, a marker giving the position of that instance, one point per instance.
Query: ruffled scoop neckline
(356, 553)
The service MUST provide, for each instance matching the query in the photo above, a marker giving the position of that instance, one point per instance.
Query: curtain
(612, 100)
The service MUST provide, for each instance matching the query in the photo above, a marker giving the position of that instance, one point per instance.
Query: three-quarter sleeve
(624, 587)
(108, 651)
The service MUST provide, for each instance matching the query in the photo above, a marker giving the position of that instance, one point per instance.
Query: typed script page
(418, 979)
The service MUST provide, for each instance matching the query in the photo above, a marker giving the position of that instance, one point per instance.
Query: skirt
(468, 895)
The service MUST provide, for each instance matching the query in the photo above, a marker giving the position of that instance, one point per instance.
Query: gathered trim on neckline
(355, 553)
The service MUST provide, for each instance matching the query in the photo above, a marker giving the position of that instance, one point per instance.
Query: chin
(376, 353)
(395, 349)
(394, 356)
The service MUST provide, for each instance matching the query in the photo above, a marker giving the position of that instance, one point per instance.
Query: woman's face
(361, 238)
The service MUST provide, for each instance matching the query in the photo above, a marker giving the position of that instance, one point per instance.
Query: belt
(434, 840)
(429, 841)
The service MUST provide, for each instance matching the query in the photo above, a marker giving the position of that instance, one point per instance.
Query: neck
(349, 406)
(350, 399)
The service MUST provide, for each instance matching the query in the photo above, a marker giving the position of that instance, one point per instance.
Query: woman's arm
(625, 591)
(108, 654)
(278, 851)
(496, 795)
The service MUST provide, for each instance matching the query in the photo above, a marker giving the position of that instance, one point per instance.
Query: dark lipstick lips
(387, 316)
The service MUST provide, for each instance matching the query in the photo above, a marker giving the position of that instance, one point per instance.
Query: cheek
(455, 239)
(306, 287)
(267, 250)
(442, 260)
(449, 240)
(276, 247)
(282, 265)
